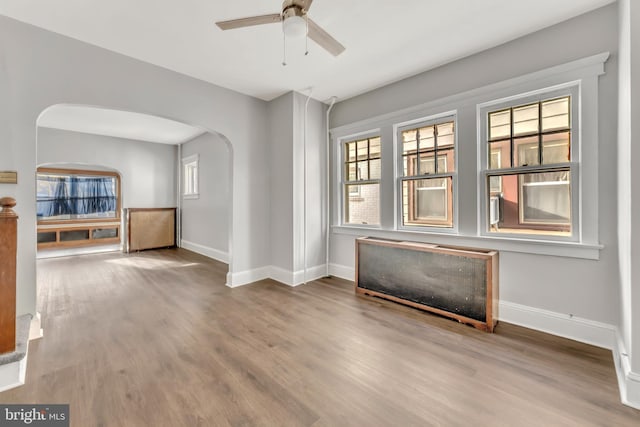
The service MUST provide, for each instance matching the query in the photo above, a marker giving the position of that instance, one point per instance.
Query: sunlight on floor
(150, 263)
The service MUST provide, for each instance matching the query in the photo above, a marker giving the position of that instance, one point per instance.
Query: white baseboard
(249, 276)
(342, 271)
(628, 381)
(206, 251)
(572, 327)
(12, 375)
(35, 329)
(296, 278)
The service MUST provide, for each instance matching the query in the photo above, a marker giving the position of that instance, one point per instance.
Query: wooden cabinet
(460, 283)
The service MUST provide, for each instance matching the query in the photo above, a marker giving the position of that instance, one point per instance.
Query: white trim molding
(35, 328)
(216, 254)
(563, 325)
(12, 375)
(297, 278)
(628, 381)
(342, 271)
(247, 277)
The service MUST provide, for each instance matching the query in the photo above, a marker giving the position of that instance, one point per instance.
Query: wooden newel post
(8, 247)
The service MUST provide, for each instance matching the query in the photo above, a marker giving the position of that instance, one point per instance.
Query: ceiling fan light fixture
(294, 26)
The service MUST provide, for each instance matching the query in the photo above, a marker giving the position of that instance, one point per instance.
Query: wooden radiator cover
(460, 283)
(149, 228)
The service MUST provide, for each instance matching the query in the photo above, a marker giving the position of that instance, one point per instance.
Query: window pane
(350, 151)
(104, 233)
(363, 170)
(352, 172)
(364, 208)
(531, 203)
(445, 134)
(500, 124)
(500, 154)
(555, 148)
(446, 161)
(427, 163)
(525, 120)
(409, 163)
(75, 196)
(555, 114)
(426, 137)
(363, 150)
(526, 151)
(374, 148)
(69, 236)
(374, 166)
(427, 202)
(409, 141)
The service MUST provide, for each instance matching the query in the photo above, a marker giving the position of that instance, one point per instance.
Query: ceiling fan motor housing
(293, 19)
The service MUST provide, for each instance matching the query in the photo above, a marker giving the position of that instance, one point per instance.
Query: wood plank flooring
(156, 339)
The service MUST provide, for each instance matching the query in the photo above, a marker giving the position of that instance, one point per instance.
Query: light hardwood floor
(156, 339)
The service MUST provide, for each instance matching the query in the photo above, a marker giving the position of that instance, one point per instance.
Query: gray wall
(576, 287)
(39, 68)
(205, 220)
(280, 111)
(297, 186)
(309, 187)
(147, 170)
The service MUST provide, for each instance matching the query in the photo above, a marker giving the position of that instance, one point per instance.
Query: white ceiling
(119, 124)
(385, 40)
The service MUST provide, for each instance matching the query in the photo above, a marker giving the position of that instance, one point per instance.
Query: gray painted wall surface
(309, 176)
(39, 68)
(583, 288)
(205, 220)
(147, 170)
(280, 113)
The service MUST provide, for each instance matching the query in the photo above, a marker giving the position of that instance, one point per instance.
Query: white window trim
(341, 180)
(188, 161)
(399, 171)
(571, 89)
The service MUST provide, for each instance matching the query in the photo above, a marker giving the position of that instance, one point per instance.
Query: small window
(190, 177)
(361, 181)
(428, 165)
(529, 168)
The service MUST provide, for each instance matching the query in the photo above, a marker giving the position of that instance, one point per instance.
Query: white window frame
(435, 119)
(343, 181)
(471, 213)
(191, 191)
(571, 90)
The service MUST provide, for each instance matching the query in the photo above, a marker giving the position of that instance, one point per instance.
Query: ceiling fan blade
(323, 38)
(249, 22)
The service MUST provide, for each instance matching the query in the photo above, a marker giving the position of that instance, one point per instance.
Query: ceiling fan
(294, 22)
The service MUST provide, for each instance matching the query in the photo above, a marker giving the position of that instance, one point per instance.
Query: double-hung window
(428, 172)
(361, 181)
(190, 166)
(530, 167)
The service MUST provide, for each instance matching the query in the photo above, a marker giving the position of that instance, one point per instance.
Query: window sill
(501, 243)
